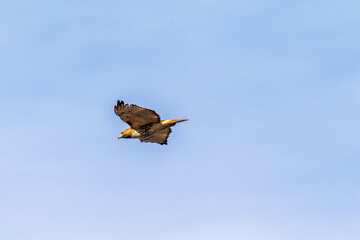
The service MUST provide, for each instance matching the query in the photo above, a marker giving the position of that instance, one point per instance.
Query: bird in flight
(145, 124)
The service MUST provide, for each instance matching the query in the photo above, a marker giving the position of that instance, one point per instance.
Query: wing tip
(118, 105)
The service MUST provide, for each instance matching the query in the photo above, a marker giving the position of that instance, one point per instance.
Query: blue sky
(271, 150)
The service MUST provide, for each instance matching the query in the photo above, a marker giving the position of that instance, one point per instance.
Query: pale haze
(271, 150)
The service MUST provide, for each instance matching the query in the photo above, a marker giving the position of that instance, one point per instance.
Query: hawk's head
(121, 135)
(128, 133)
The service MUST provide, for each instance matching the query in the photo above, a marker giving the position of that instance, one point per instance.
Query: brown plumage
(145, 124)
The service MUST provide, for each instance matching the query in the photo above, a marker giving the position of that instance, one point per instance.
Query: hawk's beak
(120, 136)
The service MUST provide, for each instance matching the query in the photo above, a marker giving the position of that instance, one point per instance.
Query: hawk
(145, 124)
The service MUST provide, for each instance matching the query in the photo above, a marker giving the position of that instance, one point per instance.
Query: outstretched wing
(158, 137)
(134, 115)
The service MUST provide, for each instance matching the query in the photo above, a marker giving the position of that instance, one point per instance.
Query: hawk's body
(145, 124)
